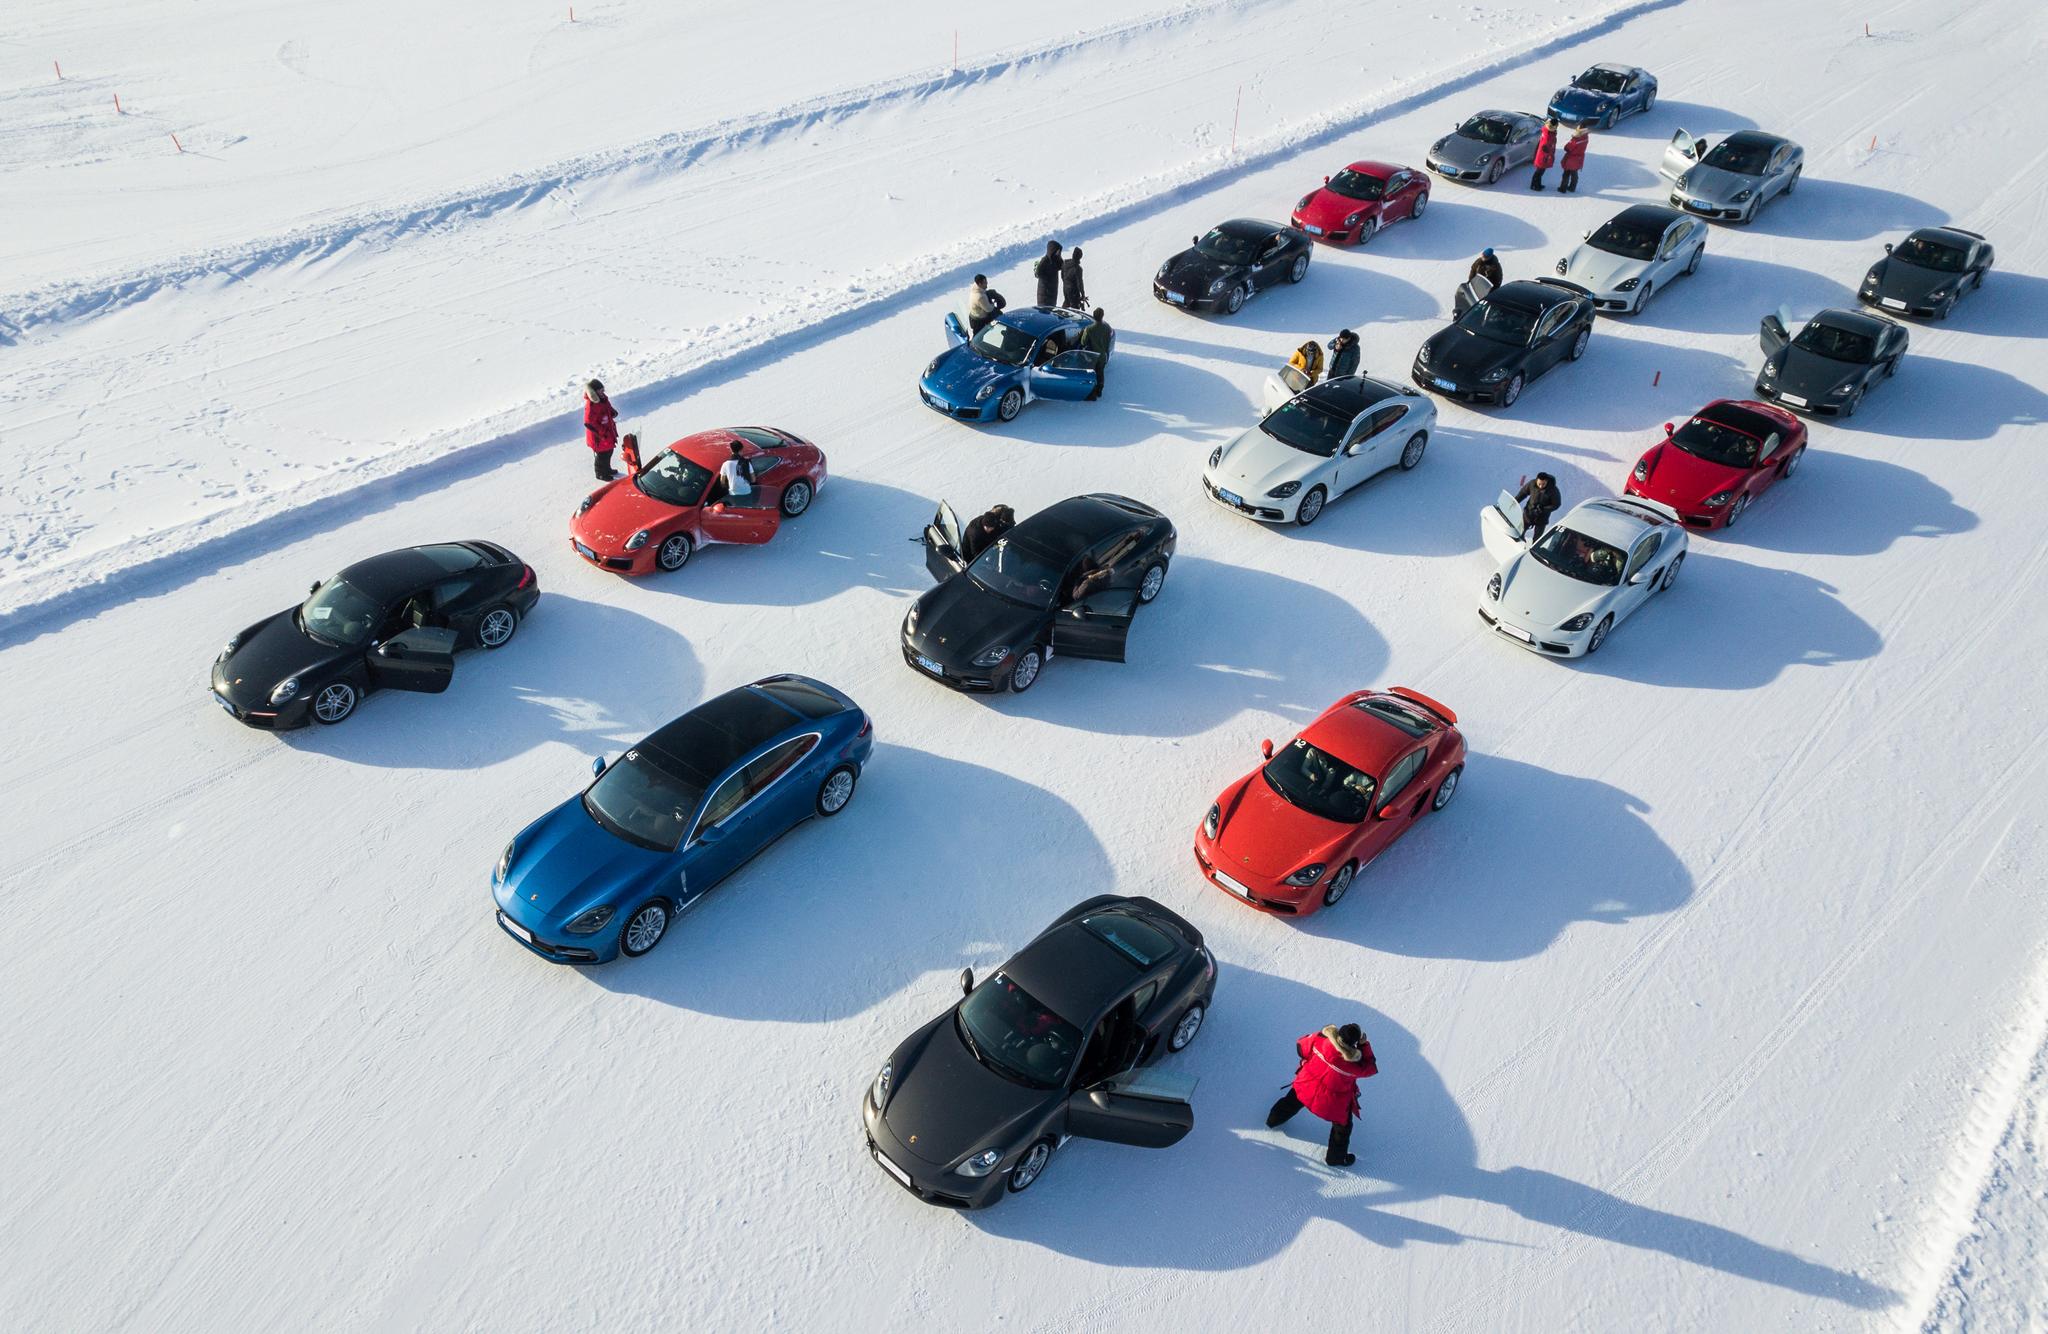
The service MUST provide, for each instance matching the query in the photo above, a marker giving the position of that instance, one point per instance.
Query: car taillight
(525, 575)
(867, 725)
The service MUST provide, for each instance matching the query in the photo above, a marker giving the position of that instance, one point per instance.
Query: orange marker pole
(1235, 114)
(175, 144)
(1656, 379)
(117, 105)
(1873, 143)
(60, 71)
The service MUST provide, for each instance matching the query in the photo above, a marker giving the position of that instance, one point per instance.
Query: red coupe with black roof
(1714, 466)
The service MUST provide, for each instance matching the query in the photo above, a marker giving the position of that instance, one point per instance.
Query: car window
(1925, 254)
(673, 480)
(1382, 419)
(642, 802)
(1500, 321)
(1118, 551)
(731, 794)
(1004, 343)
(1228, 249)
(1743, 159)
(1552, 322)
(339, 613)
(1837, 344)
(1577, 556)
(1144, 997)
(1626, 237)
(1140, 942)
(1357, 185)
(450, 592)
(1644, 552)
(1010, 1031)
(1308, 424)
(1490, 130)
(1319, 783)
(1716, 443)
(1402, 774)
(778, 762)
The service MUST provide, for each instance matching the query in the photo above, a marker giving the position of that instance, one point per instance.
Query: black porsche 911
(1928, 272)
(1503, 338)
(1832, 364)
(1233, 263)
(1065, 582)
(392, 622)
(972, 1106)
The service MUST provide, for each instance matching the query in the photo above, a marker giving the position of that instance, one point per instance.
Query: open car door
(742, 525)
(1150, 1109)
(942, 544)
(1068, 377)
(956, 332)
(1095, 627)
(421, 659)
(1470, 293)
(1283, 385)
(1500, 527)
(1775, 332)
(1679, 155)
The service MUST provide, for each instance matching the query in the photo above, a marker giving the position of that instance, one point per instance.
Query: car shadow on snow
(1822, 209)
(1192, 349)
(535, 690)
(1841, 504)
(1933, 398)
(841, 914)
(1340, 292)
(1233, 1194)
(1132, 409)
(1457, 225)
(1620, 384)
(2009, 305)
(1612, 175)
(1733, 288)
(1669, 116)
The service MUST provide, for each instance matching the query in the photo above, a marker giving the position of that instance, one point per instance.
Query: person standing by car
(1308, 359)
(1487, 266)
(736, 479)
(1047, 271)
(1540, 500)
(984, 530)
(1344, 354)
(983, 305)
(1546, 152)
(1326, 1083)
(1096, 338)
(1073, 294)
(1574, 158)
(629, 451)
(600, 429)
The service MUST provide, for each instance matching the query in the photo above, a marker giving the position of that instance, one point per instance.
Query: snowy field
(1718, 1000)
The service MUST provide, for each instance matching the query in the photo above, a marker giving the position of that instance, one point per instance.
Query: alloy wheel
(1026, 671)
(1184, 1031)
(796, 498)
(1012, 403)
(1149, 586)
(1446, 789)
(1340, 885)
(835, 791)
(496, 627)
(334, 702)
(1030, 1165)
(644, 929)
(1411, 453)
(1311, 507)
(674, 553)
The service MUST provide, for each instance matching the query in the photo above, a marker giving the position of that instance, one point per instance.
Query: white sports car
(1564, 594)
(1317, 445)
(1638, 250)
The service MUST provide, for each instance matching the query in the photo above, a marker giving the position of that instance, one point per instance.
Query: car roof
(1081, 521)
(1954, 236)
(1039, 321)
(1495, 113)
(1529, 292)
(711, 448)
(703, 743)
(1853, 321)
(1647, 216)
(1248, 228)
(1615, 522)
(1740, 416)
(399, 572)
(1351, 394)
(1753, 139)
(1072, 971)
(1379, 169)
(1361, 738)
(1613, 68)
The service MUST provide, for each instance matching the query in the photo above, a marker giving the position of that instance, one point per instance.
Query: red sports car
(1711, 468)
(1290, 835)
(653, 519)
(1359, 200)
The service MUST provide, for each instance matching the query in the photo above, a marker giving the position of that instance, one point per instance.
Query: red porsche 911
(1355, 203)
(656, 517)
(1290, 836)
(1711, 468)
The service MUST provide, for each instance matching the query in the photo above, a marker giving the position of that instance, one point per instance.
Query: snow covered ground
(1718, 1000)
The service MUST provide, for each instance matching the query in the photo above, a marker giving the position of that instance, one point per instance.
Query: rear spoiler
(1417, 697)
(1567, 286)
(1975, 236)
(1658, 508)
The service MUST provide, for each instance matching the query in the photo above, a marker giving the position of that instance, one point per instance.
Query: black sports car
(1504, 338)
(1065, 581)
(974, 1103)
(392, 622)
(1928, 272)
(1831, 365)
(1234, 262)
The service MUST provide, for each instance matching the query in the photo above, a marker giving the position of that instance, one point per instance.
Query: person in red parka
(600, 428)
(1546, 152)
(1573, 159)
(1332, 1063)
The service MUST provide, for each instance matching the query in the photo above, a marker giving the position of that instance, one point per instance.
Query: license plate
(1176, 298)
(928, 664)
(1894, 304)
(1794, 399)
(1230, 496)
(583, 551)
(1313, 231)
(516, 929)
(891, 1168)
(1448, 171)
(1441, 383)
(233, 712)
(1232, 885)
(1522, 635)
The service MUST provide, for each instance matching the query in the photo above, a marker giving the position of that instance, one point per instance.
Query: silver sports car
(1486, 145)
(1732, 180)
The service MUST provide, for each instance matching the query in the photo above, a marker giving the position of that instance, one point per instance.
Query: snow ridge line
(665, 154)
(42, 600)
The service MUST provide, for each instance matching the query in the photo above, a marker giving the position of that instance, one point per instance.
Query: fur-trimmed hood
(1349, 1053)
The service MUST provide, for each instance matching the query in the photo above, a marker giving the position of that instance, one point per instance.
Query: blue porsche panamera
(1019, 356)
(604, 873)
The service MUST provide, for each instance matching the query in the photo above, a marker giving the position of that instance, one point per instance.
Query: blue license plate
(1313, 231)
(1448, 171)
(233, 712)
(1230, 496)
(1442, 383)
(928, 664)
(1176, 298)
(583, 551)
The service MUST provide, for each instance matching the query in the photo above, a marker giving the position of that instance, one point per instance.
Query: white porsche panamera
(1563, 594)
(1637, 252)
(1317, 445)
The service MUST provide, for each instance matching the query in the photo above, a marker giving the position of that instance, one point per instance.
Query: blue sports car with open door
(1019, 356)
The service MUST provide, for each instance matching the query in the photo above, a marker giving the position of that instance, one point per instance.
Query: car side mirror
(597, 766)
(316, 583)
(966, 981)
(711, 833)
(1887, 250)
(390, 651)
(1388, 811)
(1638, 577)
(1326, 180)
(1194, 240)
(1266, 748)
(1669, 429)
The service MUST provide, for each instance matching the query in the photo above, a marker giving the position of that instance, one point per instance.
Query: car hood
(1574, 101)
(958, 619)
(1264, 833)
(1909, 283)
(1458, 151)
(958, 374)
(1328, 209)
(1454, 351)
(1713, 185)
(1255, 462)
(271, 650)
(1811, 375)
(944, 1105)
(1538, 598)
(622, 509)
(1192, 271)
(1602, 270)
(1683, 480)
(565, 864)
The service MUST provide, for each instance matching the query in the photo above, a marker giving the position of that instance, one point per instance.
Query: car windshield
(1003, 342)
(1716, 443)
(1020, 569)
(1306, 424)
(642, 802)
(1576, 556)
(1221, 245)
(1631, 240)
(1744, 159)
(1320, 783)
(1501, 322)
(1011, 1033)
(1838, 344)
(1922, 253)
(1601, 81)
(1487, 129)
(339, 613)
(1357, 185)
(673, 480)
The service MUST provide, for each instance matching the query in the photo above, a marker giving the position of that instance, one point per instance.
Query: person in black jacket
(1072, 294)
(1344, 354)
(1047, 271)
(1540, 500)
(983, 530)
(1486, 266)
(1096, 338)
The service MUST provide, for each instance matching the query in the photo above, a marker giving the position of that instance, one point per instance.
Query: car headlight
(284, 690)
(910, 621)
(588, 501)
(1484, 159)
(1422, 355)
(1216, 456)
(1562, 266)
(1160, 276)
(1627, 284)
(1213, 820)
(1493, 587)
(1284, 490)
(1938, 294)
(236, 642)
(1741, 196)
(1352, 220)
(1494, 376)
(991, 657)
(1870, 280)
(1642, 470)
(1438, 146)
(1578, 622)
(981, 394)
(638, 540)
(981, 1164)
(933, 368)
(504, 866)
(1307, 875)
(878, 1092)
(1306, 200)
(1718, 499)
(591, 922)
(1769, 372)
(1218, 285)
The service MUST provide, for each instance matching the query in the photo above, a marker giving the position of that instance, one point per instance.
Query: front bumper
(1716, 212)
(984, 681)
(1452, 173)
(294, 712)
(1264, 513)
(1429, 381)
(1693, 516)
(1805, 406)
(1892, 305)
(1333, 235)
(554, 953)
(1256, 891)
(1553, 643)
(948, 1190)
(1175, 297)
(620, 562)
(971, 412)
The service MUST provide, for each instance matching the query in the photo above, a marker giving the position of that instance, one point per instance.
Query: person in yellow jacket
(1308, 359)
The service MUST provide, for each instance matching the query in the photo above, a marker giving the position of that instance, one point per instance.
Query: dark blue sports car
(1603, 95)
(1021, 355)
(604, 873)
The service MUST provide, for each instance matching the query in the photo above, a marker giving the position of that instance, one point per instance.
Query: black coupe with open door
(1065, 582)
(1501, 338)
(1052, 1045)
(392, 622)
